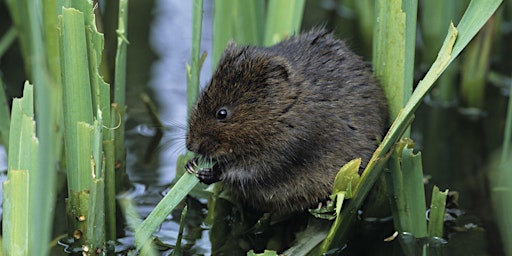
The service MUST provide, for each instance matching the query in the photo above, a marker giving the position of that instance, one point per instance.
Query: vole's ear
(278, 68)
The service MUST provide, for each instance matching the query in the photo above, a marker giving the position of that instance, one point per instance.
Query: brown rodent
(281, 121)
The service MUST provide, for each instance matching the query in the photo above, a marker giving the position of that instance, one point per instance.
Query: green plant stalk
(77, 94)
(79, 218)
(501, 192)
(16, 209)
(391, 36)
(7, 40)
(96, 222)
(77, 207)
(22, 159)
(436, 215)
(249, 28)
(177, 248)
(195, 68)
(23, 130)
(474, 18)
(222, 32)
(144, 231)
(119, 104)
(236, 20)
(475, 66)
(395, 184)
(410, 8)
(507, 133)
(20, 13)
(284, 18)
(433, 31)
(5, 117)
(110, 191)
(48, 113)
(414, 191)
(365, 10)
(94, 49)
(122, 43)
(133, 221)
(87, 203)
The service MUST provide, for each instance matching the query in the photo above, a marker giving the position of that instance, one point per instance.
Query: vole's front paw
(324, 202)
(191, 165)
(208, 175)
(205, 175)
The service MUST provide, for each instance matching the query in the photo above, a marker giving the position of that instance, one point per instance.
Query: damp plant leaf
(347, 178)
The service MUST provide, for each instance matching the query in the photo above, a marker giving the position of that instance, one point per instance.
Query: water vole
(281, 121)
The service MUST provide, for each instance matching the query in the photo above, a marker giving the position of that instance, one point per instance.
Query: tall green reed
(62, 53)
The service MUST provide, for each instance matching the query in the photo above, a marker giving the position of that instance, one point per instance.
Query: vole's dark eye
(222, 114)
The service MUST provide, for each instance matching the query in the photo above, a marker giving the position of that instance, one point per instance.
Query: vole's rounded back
(282, 120)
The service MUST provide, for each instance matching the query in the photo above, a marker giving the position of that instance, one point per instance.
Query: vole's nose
(191, 146)
(197, 147)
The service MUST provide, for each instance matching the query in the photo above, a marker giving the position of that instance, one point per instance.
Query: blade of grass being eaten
(144, 231)
(133, 220)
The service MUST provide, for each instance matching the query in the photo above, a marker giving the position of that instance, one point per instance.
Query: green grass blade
(144, 231)
(501, 193)
(414, 191)
(77, 92)
(96, 222)
(437, 211)
(476, 66)
(122, 43)
(236, 20)
(110, 191)
(393, 54)
(5, 117)
(20, 13)
(475, 17)
(195, 66)
(17, 210)
(507, 133)
(7, 40)
(284, 18)
(15, 227)
(133, 220)
(119, 104)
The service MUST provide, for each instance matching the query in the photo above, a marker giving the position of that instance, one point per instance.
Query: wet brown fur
(297, 112)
